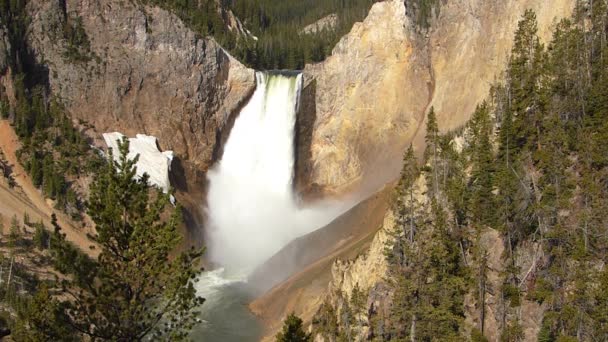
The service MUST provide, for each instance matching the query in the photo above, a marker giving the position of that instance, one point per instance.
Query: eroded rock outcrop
(368, 99)
(144, 72)
(371, 95)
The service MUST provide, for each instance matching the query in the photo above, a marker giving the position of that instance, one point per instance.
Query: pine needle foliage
(136, 289)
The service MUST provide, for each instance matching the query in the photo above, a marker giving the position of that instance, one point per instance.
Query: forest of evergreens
(129, 289)
(277, 26)
(53, 151)
(534, 167)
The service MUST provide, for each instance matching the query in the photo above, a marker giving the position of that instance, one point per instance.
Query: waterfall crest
(252, 212)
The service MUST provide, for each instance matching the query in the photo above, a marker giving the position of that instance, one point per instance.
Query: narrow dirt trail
(26, 198)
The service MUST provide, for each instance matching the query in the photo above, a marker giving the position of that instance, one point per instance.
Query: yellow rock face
(372, 94)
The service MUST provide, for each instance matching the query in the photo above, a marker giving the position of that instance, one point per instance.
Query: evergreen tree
(526, 81)
(405, 205)
(482, 159)
(134, 290)
(325, 321)
(39, 319)
(600, 309)
(547, 183)
(41, 236)
(358, 302)
(431, 153)
(35, 170)
(292, 330)
(14, 234)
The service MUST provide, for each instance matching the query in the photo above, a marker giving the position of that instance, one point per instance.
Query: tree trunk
(585, 231)
(482, 293)
(413, 329)
(10, 275)
(411, 215)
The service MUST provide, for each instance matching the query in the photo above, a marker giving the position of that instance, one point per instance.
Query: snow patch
(155, 163)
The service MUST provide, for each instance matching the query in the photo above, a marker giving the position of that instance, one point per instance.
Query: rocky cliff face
(368, 100)
(144, 72)
(370, 97)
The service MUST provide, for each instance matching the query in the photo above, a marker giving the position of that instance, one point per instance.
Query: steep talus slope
(347, 237)
(22, 198)
(145, 72)
(371, 95)
(359, 221)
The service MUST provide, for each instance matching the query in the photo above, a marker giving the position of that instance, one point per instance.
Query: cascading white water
(252, 212)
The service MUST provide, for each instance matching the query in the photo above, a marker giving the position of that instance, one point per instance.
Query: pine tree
(134, 290)
(429, 290)
(358, 301)
(482, 159)
(325, 321)
(41, 236)
(506, 179)
(600, 309)
(14, 234)
(35, 169)
(526, 76)
(431, 154)
(405, 204)
(292, 330)
(40, 318)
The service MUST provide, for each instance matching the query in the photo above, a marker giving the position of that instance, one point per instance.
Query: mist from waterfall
(252, 210)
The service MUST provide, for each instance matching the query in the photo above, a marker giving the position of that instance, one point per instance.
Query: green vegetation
(277, 24)
(16, 276)
(78, 45)
(533, 168)
(427, 267)
(4, 109)
(541, 162)
(204, 17)
(54, 153)
(292, 330)
(6, 171)
(133, 290)
(325, 322)
(423, 11)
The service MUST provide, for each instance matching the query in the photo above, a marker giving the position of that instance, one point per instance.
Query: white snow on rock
(155, 163)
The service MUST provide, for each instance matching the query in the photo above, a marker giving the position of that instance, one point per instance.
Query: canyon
(148, 73)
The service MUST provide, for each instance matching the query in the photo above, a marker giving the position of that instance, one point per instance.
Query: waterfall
(252, 210)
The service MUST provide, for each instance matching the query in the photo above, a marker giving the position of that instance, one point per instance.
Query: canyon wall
(369, 99)
(144, 72)
(122, 66)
